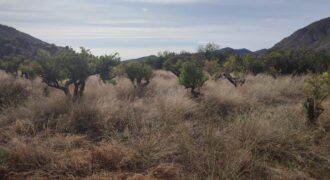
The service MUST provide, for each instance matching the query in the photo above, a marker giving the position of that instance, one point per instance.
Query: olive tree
(138, 73)
(67, 67)
(192, 77)
(234, 70)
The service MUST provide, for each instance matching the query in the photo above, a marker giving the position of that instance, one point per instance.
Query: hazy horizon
(136, 28)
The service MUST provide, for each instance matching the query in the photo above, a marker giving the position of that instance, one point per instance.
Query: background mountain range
(315, 36)
(13, 41)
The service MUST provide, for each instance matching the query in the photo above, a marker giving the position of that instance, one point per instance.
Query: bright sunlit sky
(136, 28)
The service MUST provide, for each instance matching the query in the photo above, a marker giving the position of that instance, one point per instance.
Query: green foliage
(234, 64)
(192, 77)
(172, 62)
(252, 64)
(317, 89)
(208, 52)
(212, 68)
(138, 73)
(10, 64)
(296, 61)
(105, 66)
(66, 67)
(29, 69)
(154, 62)
(318, 86)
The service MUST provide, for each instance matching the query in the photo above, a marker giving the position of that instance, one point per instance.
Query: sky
(136, 28)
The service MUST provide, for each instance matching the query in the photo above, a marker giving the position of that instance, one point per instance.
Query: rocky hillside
(13, 41)
(315, 36)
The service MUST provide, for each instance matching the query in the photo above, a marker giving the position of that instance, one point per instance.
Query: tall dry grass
(255, 131)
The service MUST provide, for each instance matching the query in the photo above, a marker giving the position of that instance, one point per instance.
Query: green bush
(138, 73)
(192, 77)
(317, 89)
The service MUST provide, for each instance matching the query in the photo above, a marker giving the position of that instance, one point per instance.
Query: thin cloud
(159, 24)
(145, 9)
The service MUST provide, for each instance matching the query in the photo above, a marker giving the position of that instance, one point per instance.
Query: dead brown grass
(255, 131)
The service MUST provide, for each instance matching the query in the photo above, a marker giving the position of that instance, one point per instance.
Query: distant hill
(260, 52)
(224, 51)
(315, 36)
(239, 52)
(145, 58)
(13, 41)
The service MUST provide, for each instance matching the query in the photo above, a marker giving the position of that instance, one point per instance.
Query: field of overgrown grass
(255, 131)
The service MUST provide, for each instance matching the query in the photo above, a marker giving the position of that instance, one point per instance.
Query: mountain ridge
(315, 36)
(13, 41)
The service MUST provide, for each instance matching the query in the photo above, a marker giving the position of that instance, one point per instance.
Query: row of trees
(66, 68)
(63, 69)
(294, 61)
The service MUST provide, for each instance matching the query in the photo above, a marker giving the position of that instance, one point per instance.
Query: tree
(139, 74)
(212, 68)
(208, 52)
(252, 65)
(10, 64)
(29, 69)
(171, 62)
(274, 62)
(317, 89)
(66, 67)
(235, 70)
(192, 77)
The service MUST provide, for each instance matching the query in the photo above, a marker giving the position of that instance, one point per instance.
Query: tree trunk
(66, 91)
(195, 93)
(78, 90)
(314, 110)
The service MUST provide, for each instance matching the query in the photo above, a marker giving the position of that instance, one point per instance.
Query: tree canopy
(67, 67)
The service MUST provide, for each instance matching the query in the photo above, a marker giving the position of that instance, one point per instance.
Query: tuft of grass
(12, 92)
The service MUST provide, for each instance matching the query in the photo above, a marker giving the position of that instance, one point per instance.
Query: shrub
(12, 93)
(86, 119)
(192, 77)
(317, 89)
(49, 113)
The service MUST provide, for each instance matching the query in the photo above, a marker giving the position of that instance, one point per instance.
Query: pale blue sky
(137, 28)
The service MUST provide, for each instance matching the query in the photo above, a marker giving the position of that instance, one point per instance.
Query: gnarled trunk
(78, 90)
(235, 81)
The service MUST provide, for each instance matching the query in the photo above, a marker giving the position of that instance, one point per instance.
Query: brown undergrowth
(256, 131)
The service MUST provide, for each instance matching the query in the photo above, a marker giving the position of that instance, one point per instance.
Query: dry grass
(256, 131)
